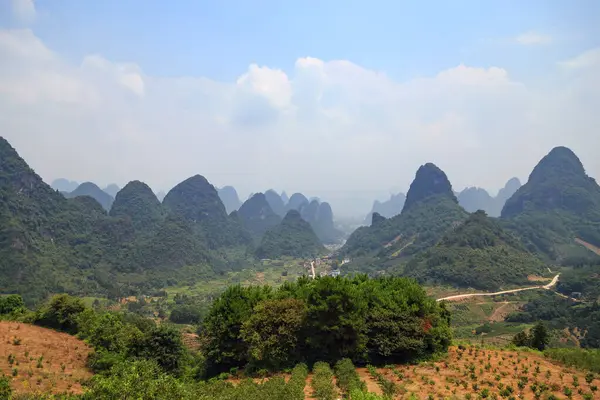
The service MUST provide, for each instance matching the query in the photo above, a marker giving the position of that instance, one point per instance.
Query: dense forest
(478, 254)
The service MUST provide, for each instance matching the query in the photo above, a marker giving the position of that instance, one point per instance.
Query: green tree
(273, 333)
(221, 329)
(163, 345)
(61, 313)
(539, 336)
(10, 304)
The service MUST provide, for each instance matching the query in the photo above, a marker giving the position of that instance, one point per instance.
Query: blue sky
(338, 99)
(218, 39)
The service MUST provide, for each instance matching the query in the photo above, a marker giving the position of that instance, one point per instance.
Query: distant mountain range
(87, 242)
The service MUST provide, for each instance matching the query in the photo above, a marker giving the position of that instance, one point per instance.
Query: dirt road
(464, 296)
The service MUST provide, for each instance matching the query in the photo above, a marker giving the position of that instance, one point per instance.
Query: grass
(272, 273)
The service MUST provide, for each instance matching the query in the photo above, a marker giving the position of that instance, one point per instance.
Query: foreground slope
(293, 237)
(558, 203)
(478, 254)
(430, 210)
(26, 344)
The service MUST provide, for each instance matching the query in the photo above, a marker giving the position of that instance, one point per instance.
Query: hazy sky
(335, 98)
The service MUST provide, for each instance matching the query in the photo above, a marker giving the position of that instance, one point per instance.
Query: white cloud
(588, 59)
(327, 128)
(533, 38)
(24, 10)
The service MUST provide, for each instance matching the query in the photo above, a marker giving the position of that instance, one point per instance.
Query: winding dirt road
(464, 296)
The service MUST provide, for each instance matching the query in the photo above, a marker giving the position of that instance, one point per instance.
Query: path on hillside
(588, 246)
(464, 296)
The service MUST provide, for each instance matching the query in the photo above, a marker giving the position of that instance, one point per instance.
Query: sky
(343, 100)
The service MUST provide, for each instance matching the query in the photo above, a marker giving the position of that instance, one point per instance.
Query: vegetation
(538, 338)
(257, 216)
(431, 209)
(293, 237)
(327, 319)
(477, 254)
(588, 359)
(558, 204)
(137, 202)
(560, 313)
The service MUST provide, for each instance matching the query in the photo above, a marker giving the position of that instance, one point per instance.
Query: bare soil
(39, 360)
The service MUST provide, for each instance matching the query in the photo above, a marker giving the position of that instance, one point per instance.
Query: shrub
(347, 377)
(322, 383)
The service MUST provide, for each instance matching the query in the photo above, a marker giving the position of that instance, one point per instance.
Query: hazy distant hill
(230, 198)
(64, 185)
(112, 190)
(389, 208)
(473, 198)
(276, 202)
(92, 190)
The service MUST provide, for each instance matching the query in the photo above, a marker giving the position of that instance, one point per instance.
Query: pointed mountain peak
(429, 181)
(230, 198)
(139, 203)
(561, 161)
(276, 202)
(257, 216)
(195, 199)
(377, 218)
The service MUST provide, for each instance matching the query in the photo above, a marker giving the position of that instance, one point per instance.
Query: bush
(5, 390)
(322, 383)
(186, 314)
(11, 304)
(61, 313)
(347, 377)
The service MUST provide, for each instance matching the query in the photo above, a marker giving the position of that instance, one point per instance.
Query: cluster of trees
(537, 338)
(560, 313)
(326, 319)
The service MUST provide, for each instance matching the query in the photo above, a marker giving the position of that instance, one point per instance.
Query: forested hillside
(477, 254)
(51, 244)
(558, 203)
(429, 211)
(293, 237)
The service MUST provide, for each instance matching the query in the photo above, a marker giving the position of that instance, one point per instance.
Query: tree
(539, 336)
(273, 333)
(61, 313)
(11, 303)
(521, 339)
(220, 330)
(162, 344)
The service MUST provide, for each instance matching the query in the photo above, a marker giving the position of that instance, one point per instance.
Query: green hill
(558, 203)
(197, 201)
(478, 254)
(257, 216)
(137, 202)
(293, 237)
(430, 210)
